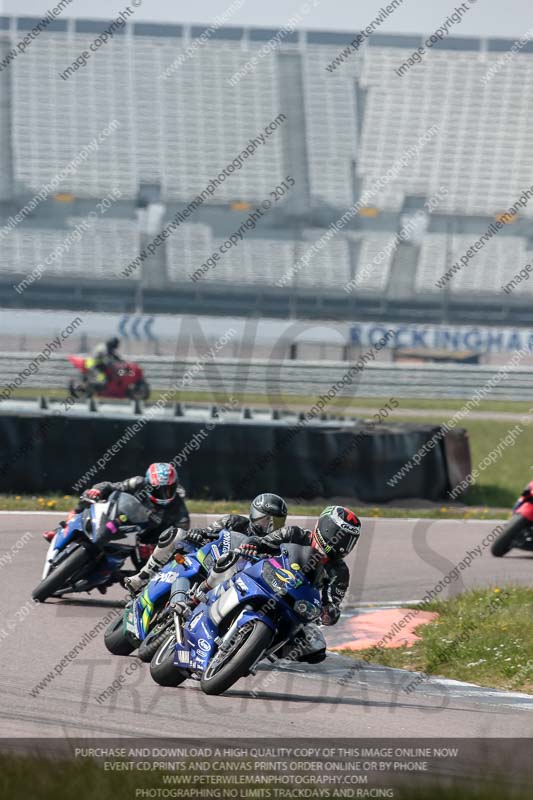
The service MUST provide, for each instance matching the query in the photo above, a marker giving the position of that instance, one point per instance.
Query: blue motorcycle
(89, 551)
(250, 616)
(146, 621)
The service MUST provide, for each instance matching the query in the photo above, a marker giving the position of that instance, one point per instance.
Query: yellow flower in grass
(41, 500)
(18, 497)
(51, 504)
(497, 591)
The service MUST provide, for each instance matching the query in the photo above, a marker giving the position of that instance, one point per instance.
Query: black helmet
(268, 513)
(336, 532)
(112, 344)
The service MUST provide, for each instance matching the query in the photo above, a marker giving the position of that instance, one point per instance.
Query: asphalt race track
(397, 560)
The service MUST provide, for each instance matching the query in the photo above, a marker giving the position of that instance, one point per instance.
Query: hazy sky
(485, 18)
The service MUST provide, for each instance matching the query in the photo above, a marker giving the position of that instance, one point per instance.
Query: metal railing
(271, 378)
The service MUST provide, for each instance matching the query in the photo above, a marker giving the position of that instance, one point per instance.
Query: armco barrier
(310, 378)
(44, 452)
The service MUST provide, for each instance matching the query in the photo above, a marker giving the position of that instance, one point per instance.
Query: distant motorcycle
(518, 532)
(89, 551)
(249, 617)
(125, 381)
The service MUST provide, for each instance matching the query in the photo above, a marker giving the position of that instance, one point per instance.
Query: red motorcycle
(518, 533)
(125, 380)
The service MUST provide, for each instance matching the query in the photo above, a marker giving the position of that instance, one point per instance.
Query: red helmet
(162, 481)
(336, 532)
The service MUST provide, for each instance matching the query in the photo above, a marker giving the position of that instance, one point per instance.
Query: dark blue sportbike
(90, 550)
(260, 607)
(146, 620)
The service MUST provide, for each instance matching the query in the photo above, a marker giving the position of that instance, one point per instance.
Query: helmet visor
(266, 524)
(163, 492)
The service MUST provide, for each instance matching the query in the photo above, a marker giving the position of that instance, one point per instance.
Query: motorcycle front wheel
(226, 667)
(510, 534)
(162, 668)
(64, 576)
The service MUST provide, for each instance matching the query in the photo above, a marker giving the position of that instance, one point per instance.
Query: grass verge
(500, 483)
(60, 503)
(339, 404)
(483, 636)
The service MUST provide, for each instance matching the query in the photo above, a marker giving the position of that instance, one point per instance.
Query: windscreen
(132, 509)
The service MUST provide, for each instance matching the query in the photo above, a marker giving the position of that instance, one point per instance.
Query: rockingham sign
(442, 337)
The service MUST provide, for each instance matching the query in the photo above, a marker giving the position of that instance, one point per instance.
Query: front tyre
(506, 540)
(116, 641)
(225, 668)
(64, 576)
(162, 668)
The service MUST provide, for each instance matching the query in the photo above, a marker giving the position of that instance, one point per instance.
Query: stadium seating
(178, 132)
(101, 252)
(491, 268)
(477, 122)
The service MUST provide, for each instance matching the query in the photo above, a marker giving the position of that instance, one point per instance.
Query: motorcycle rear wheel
(63, 576)
(220, 676)
(505, 540)
(116, 641)
(139, 391)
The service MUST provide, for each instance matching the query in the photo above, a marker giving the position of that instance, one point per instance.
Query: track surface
(398, 560)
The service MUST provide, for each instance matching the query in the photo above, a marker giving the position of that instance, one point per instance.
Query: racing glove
(330, 615)
(92, 494)
(247, 550)
(250, 548)
(196, 536)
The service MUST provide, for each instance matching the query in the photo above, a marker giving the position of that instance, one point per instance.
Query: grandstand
(343, 130)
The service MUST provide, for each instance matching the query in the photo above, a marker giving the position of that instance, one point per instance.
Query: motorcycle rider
(336, 533)
(268, 513)
(104, 357)
(159, 491)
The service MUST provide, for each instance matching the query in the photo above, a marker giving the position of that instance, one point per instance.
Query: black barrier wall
(232, 460)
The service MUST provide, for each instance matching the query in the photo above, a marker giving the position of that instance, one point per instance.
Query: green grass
(338, 404)
(38, 778)
(483, 636)
(60, 502)
(500, 483)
